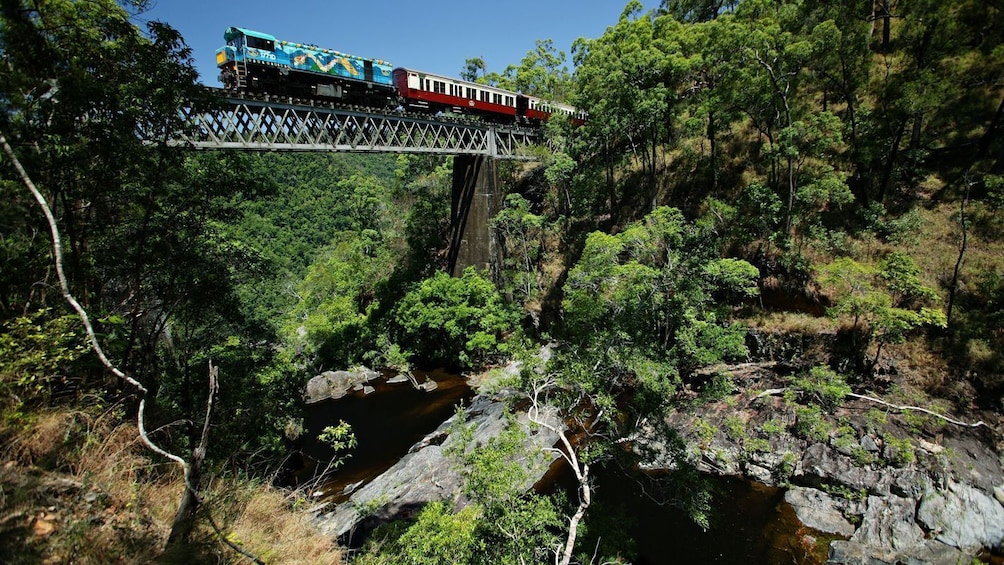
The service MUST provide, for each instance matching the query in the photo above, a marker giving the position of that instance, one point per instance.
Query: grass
(79, 487)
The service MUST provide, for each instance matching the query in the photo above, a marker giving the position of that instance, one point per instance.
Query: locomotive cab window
(259, 43)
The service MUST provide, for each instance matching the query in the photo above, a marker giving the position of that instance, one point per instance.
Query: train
(254, 62)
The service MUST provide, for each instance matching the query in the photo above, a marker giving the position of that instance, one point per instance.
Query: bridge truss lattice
(271, 125)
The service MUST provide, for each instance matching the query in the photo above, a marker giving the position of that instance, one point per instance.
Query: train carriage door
(368, 71)
(522, 103)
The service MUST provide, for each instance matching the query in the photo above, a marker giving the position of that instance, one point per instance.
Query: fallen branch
(900, 407)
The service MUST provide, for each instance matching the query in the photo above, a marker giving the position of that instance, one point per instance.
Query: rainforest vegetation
(770, 165)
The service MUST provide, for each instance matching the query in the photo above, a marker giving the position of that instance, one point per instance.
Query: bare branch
(919, 409)
(57, 250)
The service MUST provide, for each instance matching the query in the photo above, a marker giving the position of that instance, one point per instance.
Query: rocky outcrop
(336, 384)
(819, 511)
(962, 516)
(427, 473)
(894, 495)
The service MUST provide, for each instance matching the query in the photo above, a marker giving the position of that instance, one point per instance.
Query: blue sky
(430, 35)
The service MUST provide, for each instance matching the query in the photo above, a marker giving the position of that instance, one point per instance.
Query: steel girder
(257, 125)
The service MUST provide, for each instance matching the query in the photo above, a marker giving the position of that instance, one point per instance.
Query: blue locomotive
(258, 62)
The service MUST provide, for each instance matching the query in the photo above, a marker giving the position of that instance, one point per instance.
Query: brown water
(386, 422)
(750, 524)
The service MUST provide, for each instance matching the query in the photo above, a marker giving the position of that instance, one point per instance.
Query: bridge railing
(263, 125)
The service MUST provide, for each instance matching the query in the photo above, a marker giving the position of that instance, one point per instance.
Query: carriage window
(471, 93)
(439, 86)
(484, 96)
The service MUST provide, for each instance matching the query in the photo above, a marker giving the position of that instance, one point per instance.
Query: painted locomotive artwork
(254, 62)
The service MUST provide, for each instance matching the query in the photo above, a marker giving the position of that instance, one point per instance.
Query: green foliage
(41, 355)
(516, 525)
(889, 298)
(647, 287)
(339, 438)
(810, 423)
(823, 386)
(460, 321)
(337, 296)
(901, 451)
(734, 427)
(845, 440)
(520, 232)
(720, 385)
(437, 536)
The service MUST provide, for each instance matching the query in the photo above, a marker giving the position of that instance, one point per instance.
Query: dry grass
(791, 322)
(80, 488)
(266, 526)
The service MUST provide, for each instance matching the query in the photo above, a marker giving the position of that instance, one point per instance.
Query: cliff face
(886, 485)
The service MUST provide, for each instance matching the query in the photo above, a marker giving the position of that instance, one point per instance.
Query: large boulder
(818, 510)
(963, 516)
(427, 474)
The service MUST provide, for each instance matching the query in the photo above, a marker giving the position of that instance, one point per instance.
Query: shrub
(823, 386)
(457, 321)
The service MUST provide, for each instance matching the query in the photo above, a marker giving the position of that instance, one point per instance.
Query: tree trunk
(184, 518)
(585, 499)
(954, 286)
(886, 15)
(890, 163)
(713, 149)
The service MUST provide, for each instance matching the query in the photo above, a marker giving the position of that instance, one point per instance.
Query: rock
(429, 385)
(888, 524)
(963, 517)
(868, 444)
(821, 465)
(426, 474)
(930, 552)
(397, 379)
(367, 389)
(336, 384)
(929, 447)
(817, 510)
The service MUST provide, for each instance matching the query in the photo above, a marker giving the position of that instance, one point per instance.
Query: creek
(750, 522)
(386, 423)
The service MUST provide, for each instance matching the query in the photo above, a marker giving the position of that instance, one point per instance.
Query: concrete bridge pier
(475, 201)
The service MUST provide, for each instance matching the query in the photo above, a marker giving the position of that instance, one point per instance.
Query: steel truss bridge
(277, 125)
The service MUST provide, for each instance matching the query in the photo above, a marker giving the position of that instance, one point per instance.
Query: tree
(626, 83)
(474, 69)
(641, 309)
(697, 10)
(887, 302)
(88, 103)
(520, 232)
(459, 321)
